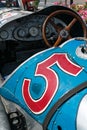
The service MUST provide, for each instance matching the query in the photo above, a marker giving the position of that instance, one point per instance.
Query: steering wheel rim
(66, 30)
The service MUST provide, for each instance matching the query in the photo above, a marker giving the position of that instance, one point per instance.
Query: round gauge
(33, 31)
(4, 34)
(21, 33)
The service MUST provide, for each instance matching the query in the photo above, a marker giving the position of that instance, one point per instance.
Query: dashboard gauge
(33, 31)
(21, 33)
(4, 34)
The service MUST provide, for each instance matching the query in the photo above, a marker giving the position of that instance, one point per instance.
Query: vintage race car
(43, 69)
(23, 33)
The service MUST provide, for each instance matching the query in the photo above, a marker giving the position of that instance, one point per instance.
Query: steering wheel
(64, 32)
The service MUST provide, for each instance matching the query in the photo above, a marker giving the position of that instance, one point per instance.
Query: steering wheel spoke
(70, 24)
(58, 41)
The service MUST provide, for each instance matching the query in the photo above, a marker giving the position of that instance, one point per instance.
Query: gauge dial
(21, 33)
(4, 34)
(33, 31)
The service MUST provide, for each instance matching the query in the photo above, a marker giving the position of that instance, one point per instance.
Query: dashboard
(27, 28)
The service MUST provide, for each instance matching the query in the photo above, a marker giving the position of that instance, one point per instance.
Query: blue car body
(51, 87)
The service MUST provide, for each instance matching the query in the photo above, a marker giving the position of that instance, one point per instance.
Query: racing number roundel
(43, 69)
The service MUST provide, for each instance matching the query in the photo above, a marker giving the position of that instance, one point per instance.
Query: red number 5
(43, 69)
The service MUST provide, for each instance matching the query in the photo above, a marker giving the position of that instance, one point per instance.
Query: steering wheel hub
(64, 33)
